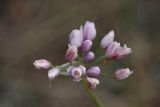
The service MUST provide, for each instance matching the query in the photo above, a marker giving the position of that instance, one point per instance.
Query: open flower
(121, 74)
(107, 39)
(71, 53)
(111, 50)
(89, 31)
(121, 52)
(42, 64)
(76, 72)
(114, 51)
(92, 82)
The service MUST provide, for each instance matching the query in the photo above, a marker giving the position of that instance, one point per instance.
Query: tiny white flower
(52, 73)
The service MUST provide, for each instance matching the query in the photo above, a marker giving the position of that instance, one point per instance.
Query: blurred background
(35, 29)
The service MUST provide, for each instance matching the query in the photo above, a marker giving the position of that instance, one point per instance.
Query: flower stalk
(97, 61)
(91, 94)
(83, 64)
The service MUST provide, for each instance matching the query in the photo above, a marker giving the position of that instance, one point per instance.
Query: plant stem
(107, 75)
(99, 59)
(68, 64)
(91, 94)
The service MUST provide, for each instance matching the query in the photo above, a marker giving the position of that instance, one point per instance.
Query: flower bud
(92, 82)
(93, 71)
(76, 37)
(42, 64)
(107, 39)
(121, 74)
(89, 56)
(71, 53)
(52, 73)
(86, 45)
(89, 31)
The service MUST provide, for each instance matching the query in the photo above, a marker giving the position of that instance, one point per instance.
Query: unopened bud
(121, 74)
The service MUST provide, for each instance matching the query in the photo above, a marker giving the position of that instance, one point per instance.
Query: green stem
(108, 75)
(65, 65)
(91, 94)
(99, 59)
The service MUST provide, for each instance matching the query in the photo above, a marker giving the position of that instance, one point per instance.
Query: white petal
(52, 73)
(108, 38)
(76, 38)
(89, 31)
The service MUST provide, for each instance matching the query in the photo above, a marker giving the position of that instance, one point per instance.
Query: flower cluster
(82, 63)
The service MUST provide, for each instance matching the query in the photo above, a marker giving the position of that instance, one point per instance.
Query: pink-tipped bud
(89, 56)
(86, 45)
(71, 53)
(89, 31)
(121, 74)
(76, 37)
(93, 71)
(92, 82)
(107, 39)
(42, 64)
(52, 73)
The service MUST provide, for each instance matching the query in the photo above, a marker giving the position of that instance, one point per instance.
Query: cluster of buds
(82, 63)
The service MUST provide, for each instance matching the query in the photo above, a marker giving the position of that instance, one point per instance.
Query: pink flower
(76, 72)
(114, 51)
(111, 50)
(86, 45)
(89, 31)
(71, 53)
(76, 37)
(52, 73)
(92, 82)
(42, 64)
(121, 52)
(89, 56)
(107, 39)
(121, 74)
